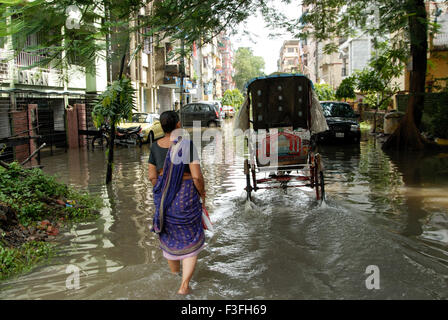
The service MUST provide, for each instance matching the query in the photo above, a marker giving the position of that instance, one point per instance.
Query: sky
(260, 42)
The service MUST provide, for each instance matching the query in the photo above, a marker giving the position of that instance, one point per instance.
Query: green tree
(103, 29)
(378, 81)
(325, 92)
(405, 21)
(346, 89)
(233, 98)
(115, 104)
(247, 66)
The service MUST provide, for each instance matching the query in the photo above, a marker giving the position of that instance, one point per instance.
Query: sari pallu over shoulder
(170, 183)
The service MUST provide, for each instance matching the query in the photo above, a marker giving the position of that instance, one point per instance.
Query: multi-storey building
(319, 66)
(210, 70)
(227, 71)
(330, 66)
(225, 49)
(438, 48)
(34, 99)
(289, 57)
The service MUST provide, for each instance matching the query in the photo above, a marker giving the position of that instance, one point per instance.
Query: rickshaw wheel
(247, 173)
(316, 181)
(322, 185)
(319, 182)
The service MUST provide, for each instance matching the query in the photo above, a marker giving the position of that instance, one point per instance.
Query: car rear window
(138, 118)
(337, 110)
(188, 108)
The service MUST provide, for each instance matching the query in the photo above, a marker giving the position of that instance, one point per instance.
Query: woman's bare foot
(188, 265)
(184, 290)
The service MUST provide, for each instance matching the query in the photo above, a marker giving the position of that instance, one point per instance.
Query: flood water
(392, 214)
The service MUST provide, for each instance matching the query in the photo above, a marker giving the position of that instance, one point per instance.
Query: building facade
(290, 57)
(227, 71)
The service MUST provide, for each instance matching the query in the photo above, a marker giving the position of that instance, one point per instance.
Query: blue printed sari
(177, 219)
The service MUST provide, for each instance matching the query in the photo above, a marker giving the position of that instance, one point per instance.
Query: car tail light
(217, 115)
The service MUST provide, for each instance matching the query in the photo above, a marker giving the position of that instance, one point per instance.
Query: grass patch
(22, 259)
(365, 125)
(35, 196)
(33, 205)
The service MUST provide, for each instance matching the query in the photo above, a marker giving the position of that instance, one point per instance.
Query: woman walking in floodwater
(175, 173)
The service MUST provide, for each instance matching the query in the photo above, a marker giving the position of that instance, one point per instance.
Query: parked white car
(218, 106)
(228, 111)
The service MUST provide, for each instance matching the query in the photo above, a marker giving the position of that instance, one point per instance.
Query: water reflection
(380, 211)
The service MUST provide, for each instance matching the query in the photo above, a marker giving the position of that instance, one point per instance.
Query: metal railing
(18, 131)
(440, 40)
(26, 59)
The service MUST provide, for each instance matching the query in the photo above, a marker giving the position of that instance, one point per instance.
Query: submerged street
(379, 212)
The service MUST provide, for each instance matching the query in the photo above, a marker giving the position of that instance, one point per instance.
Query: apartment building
(319, 66)
(34, 100)
(227, 72)
(438, 48)
(289, 57)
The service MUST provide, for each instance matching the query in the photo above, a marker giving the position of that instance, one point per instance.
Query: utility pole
(201, 79)
(317, 62)
(182, 77)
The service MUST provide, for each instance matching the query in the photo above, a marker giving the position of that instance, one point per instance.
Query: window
(338, 110)
(344, 67)
(188, 108)
(147, 41)
(291, 50)
(139, 118)
(202, 108)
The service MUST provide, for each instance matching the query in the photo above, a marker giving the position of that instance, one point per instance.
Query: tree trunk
(407, 136)
(374, 120)
(110, 156)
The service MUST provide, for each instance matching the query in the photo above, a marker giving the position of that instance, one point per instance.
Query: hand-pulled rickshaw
(285, 114)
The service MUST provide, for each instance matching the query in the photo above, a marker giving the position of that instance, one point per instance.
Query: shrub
(325, 92)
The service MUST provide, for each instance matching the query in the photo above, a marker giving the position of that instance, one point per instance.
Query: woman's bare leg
(174, 266)
(188, 266)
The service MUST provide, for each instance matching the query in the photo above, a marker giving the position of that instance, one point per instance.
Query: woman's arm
(153, 174)
(198, 179)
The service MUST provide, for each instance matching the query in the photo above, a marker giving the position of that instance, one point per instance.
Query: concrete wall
(359, 54)
(437, 66)
(5, 130)
(165, 99)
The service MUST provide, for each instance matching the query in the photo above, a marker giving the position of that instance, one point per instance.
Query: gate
(30, 118)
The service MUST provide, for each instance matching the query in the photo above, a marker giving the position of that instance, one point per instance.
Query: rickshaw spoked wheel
(315, 179)
(322, 185)
(319, 182)
(312, 162)
(247, 173)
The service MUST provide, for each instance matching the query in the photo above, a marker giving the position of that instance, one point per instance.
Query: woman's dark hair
(168, 120)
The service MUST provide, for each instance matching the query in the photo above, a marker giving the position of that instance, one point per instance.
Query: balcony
(440, 42)
(26, 59)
